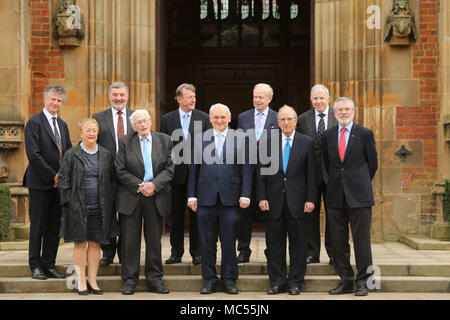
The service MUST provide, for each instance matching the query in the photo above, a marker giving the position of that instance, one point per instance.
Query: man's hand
(264, 205)
(192, 205)
(309, 206)
(244, 203)
(55, 181)
(147, 189)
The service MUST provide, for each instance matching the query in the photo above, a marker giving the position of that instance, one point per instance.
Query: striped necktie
(58, 138)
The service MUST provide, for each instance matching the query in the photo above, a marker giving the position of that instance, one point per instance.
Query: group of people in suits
(122, 170)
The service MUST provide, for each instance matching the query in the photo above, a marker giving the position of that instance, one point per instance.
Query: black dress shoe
(294, 291)
(173, 259)
(207, 289)
(275, 290)
(38, 274)
(128, 288)
(231, 289)
(52, 273)
(361, 290)
(92, 290)
(310, 260)
(197, 260)
(158, 288)
(106, 261)
(342, 288)
(242, 258)
(83, 293)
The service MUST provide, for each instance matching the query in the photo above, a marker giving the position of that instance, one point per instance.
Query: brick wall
(420, 122)
(46, 59)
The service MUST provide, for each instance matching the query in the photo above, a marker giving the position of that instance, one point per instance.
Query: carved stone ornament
(68, 23)
(11, 135)
(400, 27)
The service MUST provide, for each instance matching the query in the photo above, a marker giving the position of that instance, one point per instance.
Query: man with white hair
(144, 169)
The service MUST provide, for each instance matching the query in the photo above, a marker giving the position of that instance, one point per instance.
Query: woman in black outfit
(87, 188)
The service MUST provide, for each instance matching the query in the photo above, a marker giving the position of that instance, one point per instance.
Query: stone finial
(400, 27)
(68, 23)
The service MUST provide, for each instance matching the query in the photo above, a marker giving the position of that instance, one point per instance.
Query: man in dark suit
(350, 157)
(46, 140)
(288, 197)
(113, 123)
(261, 119)
(183, 120)
(144, 169)
(219, 183)
(312, 123)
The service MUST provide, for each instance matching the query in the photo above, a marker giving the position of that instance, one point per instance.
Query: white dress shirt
(115, 120)
(325, 119)
(49, 117)
(284, 140)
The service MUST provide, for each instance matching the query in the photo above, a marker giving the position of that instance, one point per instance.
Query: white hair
(266, 87)
(138, 113)
(344, 99)
(217, 106)
(321, 87)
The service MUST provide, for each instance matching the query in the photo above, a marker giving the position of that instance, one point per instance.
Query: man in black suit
(288, 197)
(183, 120)
(144, 169)
(46, 140)
(219, 183)
(312, 123)
(261, 119)
(113, 123)
(350, 157)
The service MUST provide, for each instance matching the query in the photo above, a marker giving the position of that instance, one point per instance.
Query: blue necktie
(147, 161)
(219, 146)
(287, 151)
(185, 125)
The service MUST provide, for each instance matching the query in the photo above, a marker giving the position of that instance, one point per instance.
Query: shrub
(5, 211)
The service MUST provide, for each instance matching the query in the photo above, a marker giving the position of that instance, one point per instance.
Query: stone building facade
(401, 91)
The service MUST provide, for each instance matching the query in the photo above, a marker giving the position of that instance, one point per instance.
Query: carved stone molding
(400, 27)
(68, 23)
(11, 137)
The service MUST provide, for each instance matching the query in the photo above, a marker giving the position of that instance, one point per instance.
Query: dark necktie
(120, 128)
(57, 137)
(321, 127)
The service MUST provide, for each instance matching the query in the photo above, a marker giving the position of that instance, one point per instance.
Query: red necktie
(120, 129)
(342, 144)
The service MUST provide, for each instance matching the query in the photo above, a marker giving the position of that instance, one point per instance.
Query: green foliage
(447, 200)
(5, 211)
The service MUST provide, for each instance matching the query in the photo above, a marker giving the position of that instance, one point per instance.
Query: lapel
(331, 119)
(271, 119)
(351, 140)
(135, 145)
(108, 118)
(48, 128)
(129, 128)
(155, 153)
(296, 146)
(311, 124)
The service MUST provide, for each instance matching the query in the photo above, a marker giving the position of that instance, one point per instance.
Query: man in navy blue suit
(219, 183)
(261, 119)
(46, 140)
(350, 157)
(288, 197)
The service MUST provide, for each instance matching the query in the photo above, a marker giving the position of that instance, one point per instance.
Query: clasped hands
(264, 206)
(147, 189)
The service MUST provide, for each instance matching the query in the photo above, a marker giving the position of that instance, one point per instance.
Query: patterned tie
(58, 138)
(147, 161)
(120, 128)
(185, 124)
(219, 145)
(342, 144)
(286, 153)
(321, 127)
(259, 125)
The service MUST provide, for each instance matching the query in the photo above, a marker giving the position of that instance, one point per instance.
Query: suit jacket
(297, 185)
(42, 151)
(130, 172)
(171, 122)
(106, 135)
(307, 125)
(226, 182)
(246, 120)
(353, 177)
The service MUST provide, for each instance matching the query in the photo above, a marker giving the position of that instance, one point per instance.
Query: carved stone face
(401, 7)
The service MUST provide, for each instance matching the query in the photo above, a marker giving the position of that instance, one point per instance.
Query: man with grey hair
(259, 118)
(144, 169)
(312, 123)
(46, 140)
(113, 123)
(350, 158)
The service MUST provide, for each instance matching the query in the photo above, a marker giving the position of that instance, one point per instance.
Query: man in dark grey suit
(261, 119)
(144, 169)
(312, 123)
(113, 123)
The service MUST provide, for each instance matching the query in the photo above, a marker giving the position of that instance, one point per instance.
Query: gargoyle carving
(400, 27)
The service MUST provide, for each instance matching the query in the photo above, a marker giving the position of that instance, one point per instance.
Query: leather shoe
(52, 273)
(208, 289)
(231, 289)
(128, 288)
(275, 290)
(106, 261)
(197, 260)
(361, 290)
(242, 258)
(173, 259)
(158, 288)
(342, 288)
(294, 291)
(38, 274)
(311, 259)
(92, 290)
